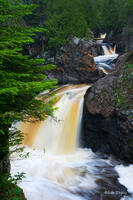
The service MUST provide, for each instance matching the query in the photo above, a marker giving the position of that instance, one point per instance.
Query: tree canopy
(64, 19)
(22, 77)
(106, 15)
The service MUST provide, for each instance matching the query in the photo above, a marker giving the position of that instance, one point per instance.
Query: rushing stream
(58, 168)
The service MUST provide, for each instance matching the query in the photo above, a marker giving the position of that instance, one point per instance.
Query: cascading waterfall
(58, 168)
(105, 62)
(109, 50)
(58, 134)
(102, 36)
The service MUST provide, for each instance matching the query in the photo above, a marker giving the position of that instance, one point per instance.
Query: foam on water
(105, 58)
(57, 168)
(126, 176)
(104, 62)
(55, 177)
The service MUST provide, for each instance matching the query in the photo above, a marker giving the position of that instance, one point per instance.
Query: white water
(109, 50)
(102, 36)
(64, 171)
(61, 171)
(55, 177)
(105, 58)
(57, 168)
(125, 173)
(105, 61)
(109, 54)
(126, 177)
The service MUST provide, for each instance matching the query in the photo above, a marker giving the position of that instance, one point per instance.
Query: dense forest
(22, 75)
(64, 19)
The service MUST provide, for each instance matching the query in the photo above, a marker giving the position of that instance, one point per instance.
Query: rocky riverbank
(108, 128)
(74, 61)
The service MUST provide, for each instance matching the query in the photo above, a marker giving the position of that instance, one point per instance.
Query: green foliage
(105, 15)
(129, 7)
(62, 19)
(124, 89)
(40, 14)
(9, 189)
(22, 78)
(66, 21)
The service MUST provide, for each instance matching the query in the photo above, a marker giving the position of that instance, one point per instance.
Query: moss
(124, 89)
(129, 57)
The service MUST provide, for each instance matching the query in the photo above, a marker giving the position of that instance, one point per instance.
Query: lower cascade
(58, 168)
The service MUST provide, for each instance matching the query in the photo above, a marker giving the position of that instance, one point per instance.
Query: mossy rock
(129, 57)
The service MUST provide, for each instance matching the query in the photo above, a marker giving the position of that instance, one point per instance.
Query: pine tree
(62, 19)
(21, 77)
(66, 21)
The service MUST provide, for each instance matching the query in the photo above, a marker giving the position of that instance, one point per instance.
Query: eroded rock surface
(75, 63)
(106, 128)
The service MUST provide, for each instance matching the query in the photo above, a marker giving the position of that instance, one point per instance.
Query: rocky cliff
(74, 61)
(107, 127)
(124, 38)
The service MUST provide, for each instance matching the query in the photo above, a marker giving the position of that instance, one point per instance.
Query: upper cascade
(106, 62)
(109, 49)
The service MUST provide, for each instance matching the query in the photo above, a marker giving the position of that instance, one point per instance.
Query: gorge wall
(74, 61)
(106, 128)
(124, 38)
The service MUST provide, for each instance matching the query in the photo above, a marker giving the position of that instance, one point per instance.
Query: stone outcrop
(75, 63)
(106, 128)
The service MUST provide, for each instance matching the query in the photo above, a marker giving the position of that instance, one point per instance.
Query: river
(58, 168)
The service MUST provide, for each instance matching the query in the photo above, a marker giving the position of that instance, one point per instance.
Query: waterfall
(106, 61)
(100, 39)
(63, 129)
(103, 35)
(58, 168)
(109, 50)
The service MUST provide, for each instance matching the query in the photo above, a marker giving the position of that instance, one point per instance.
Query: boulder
(106, 127)
(75, 63)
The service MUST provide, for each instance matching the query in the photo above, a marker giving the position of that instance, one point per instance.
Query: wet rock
(107, 128)
(75, 63)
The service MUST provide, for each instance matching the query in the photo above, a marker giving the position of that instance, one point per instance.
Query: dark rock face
(75, 63)
(107, 129)
(127, 35)
(123, 39)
